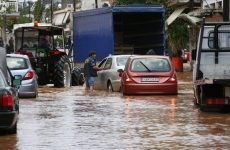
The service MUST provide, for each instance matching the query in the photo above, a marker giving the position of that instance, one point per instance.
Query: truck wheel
(81, 79)
(75, 77)
(62, 75)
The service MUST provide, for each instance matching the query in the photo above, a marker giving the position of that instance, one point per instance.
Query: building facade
(192, 12)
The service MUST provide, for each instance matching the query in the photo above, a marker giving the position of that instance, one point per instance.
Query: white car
(20, 65)
(108, 78)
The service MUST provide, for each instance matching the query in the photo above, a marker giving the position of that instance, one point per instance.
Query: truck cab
(211, 74)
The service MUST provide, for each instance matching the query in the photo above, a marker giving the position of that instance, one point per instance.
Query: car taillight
(7, 100)
(173, 78)
(29, 75)
(215, 101)
(128, 79)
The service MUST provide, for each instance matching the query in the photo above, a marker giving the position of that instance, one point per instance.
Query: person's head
(92, 54)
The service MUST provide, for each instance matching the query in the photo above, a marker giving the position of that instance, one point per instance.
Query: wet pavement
(71, 119)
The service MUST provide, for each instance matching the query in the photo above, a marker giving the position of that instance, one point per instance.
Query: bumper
(8, 119)
(150, 88)
(28, 90)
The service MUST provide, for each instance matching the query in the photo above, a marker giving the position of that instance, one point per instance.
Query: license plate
(150, 79)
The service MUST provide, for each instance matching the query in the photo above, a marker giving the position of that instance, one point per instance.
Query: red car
(148, 75)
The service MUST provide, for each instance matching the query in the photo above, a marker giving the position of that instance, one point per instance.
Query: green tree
(24, 19)
(5, 22)
(38, 10)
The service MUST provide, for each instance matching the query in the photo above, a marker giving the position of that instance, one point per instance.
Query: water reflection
(76, 120)
(8, 142)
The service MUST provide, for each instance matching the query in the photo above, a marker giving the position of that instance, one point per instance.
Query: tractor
(45, 46)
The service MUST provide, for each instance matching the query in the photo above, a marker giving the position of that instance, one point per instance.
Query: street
(72, 119)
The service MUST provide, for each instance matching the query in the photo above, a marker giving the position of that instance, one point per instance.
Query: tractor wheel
(75, 77)
(62, 72)
(81, 79)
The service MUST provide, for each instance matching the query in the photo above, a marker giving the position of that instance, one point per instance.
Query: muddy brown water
(71, 119)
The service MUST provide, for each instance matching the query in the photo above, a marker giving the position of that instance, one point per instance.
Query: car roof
(115, 56)
(3, 65)
(149, 56)
(17, 55)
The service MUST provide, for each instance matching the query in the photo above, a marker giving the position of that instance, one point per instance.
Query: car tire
(109, 87)
(35, 95)
(62, 74)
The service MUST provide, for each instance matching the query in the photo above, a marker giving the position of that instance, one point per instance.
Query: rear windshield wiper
(145, 66)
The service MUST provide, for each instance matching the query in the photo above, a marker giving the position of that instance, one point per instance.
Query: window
(121, 61)
(15, 63)
(102, 63)
(223, 38)
(108, 64)
(150, 65)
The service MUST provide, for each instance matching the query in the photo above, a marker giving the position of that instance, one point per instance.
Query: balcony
(177, 3)
(13, 6)
(10, 6)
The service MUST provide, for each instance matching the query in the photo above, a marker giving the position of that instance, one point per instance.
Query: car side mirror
(120, 70)
(17, 79)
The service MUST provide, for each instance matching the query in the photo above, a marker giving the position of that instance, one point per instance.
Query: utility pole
(74, 5)
(51, 11)
(226, 12)
(29, 10)
(96, 4)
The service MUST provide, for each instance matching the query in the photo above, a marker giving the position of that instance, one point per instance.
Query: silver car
(108, 78)
(20, 65)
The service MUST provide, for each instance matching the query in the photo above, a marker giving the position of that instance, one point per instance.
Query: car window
(108, 64)
(150, 65)
(2, 80)
(121, 61)
(102, 63)
(16, 63)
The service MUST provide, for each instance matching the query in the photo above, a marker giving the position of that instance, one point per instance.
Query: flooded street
(70, 119)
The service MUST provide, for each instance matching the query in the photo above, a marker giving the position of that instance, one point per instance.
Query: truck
(211, 73)
(131, 29)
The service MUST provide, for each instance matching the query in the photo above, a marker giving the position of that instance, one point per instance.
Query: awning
(191, 19)
(175, 15)
(61, 18)
(66, 17)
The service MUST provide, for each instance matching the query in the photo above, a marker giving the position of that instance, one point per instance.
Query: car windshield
(2, 80)
(15, 63)
(150, 65)
(121, 61)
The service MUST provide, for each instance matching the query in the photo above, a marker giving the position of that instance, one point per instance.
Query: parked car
(108, 78)
(148, 75)
(9, 102)
(20, 65)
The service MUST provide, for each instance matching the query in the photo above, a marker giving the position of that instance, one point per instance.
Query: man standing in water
(90, 70)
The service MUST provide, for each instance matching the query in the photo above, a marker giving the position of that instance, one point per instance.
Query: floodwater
(71, 119)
